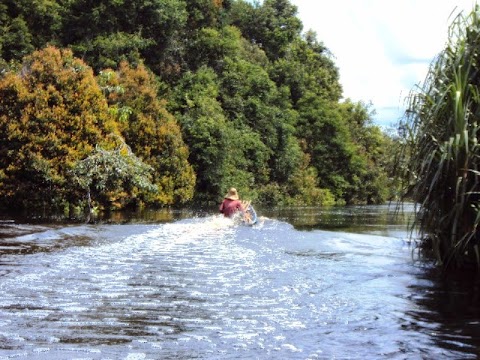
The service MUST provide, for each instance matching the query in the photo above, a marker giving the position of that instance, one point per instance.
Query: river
(340, 283)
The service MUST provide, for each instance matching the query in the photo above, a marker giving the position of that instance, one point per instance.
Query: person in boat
(231, 203)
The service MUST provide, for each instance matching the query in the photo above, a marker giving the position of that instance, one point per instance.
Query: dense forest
(120, 103)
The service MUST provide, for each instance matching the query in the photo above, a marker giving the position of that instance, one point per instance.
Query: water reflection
(150, 216)
(452, 304)
(381, 220)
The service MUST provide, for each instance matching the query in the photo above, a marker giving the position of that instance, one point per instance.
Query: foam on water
(206, 288)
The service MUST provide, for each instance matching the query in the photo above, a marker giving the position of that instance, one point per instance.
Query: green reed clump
(440, 153)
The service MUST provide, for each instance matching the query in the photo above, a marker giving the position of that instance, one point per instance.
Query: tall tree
(307, 69)
(240, 77)
(205, 130)
(273, 25)
(121, 29)
(52, 114)
(370, 153)
(151, 131)
(16, 41)
(28, 25)
(325, 137)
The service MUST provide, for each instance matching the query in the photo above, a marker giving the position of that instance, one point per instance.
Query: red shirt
(229, 207)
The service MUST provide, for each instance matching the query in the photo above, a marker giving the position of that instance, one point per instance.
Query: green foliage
(305, 191)
(26, 25)
(338, 137)
(253, 104)
(17, 40)
(153, 25)
(211, 46)
(252, 101)
(325, 138)
(440, 136)
(151, 131)
(273, 25)
(203, 13)
(110, 50)
(371, 155)
(307, 70)
(204, 129)
(113, 178)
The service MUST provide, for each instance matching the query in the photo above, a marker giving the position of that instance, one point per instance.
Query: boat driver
(231, 203)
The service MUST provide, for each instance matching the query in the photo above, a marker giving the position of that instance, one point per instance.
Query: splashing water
(208, 288)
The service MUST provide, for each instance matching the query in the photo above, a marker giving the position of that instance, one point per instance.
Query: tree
(272, 25)
(113, 178)
(253, 103)
(205, 130)
(256, 103)
(325, 137)
(109, 50)
(151, 28)
(371, 154)
(16, 41)
(307, 69)
(203, 13)
(52, 114)
(151, 131)
(27, 25)
(210, 47)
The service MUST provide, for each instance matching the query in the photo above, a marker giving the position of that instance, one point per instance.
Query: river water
(341, 283)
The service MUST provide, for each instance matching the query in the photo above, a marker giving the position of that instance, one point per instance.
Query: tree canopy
(52, 113)
(206, 94)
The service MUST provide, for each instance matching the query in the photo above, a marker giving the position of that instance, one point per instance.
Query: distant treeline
(117, 103)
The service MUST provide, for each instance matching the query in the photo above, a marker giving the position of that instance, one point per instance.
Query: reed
(440, 153)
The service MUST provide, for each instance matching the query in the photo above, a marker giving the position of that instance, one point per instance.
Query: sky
(383, 49)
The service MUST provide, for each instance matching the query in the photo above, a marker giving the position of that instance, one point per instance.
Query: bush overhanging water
(440, 132)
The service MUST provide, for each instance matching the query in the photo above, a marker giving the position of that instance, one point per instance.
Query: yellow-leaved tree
(52, 114)
(151, 131)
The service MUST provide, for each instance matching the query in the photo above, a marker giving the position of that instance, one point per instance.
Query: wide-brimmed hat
(232, 194)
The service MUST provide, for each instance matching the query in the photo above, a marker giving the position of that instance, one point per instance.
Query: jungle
(114, 104)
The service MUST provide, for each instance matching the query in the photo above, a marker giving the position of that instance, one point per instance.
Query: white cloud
(382, 48)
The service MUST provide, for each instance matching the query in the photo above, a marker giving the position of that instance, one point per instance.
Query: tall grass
(440, 153)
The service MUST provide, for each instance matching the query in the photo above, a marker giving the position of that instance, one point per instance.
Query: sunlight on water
(209, 288)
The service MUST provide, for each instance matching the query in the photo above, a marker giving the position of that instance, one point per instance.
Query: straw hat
(232, 194)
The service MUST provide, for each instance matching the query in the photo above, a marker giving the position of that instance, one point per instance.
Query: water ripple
(207, 288)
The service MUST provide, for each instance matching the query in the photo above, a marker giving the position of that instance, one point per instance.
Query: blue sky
(382, 48)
